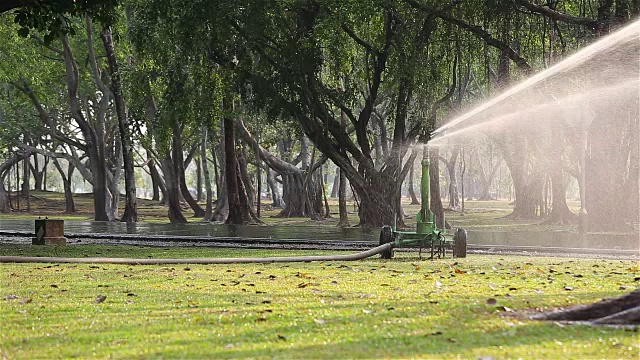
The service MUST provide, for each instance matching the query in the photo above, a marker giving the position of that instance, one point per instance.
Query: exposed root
(624, 310)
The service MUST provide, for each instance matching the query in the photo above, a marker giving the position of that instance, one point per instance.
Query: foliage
(55, 18)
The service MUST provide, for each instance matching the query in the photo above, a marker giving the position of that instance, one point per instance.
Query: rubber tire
(460, 243)
(386, 236)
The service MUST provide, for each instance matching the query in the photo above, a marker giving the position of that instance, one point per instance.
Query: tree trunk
(38, 175)
(276, 197)
(300, 200)
(612, 170)
(130, 209)
(244, 175)
(199, 179)
(207, 179)
(221, 212)
(94, 141)
(157, 184)
(173, 190)
(26, 176)
(5, 167)
(336, 184)
(410, 185)
(454, 197)
(113, 185)
(434, 176)
(5, 205)
(342, 199)
(70, 206)
(233, 193)
(178, 160)
(560, 212)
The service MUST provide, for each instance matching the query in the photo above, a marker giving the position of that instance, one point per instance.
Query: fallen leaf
(100, 299)
(458, 271)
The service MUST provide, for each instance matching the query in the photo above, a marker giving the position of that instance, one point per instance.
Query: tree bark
(94, 143)
(131, 207)
(434, 175)
(5, 205)
(336, 183)
(276, 197)
(410, 184)
(178, 159)
(342, 199)
(157, 184)
(26, 176)
(624, 310)
(173, 190)
(300, 199)
(235, 216)
(454, 196)
(70, 206)
(207, 179)
(199, 180)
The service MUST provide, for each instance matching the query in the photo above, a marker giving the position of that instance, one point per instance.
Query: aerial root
(624, 310)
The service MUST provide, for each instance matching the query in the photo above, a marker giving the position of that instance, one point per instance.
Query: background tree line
(277, 90)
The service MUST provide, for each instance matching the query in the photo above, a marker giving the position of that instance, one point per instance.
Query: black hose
(103, 260)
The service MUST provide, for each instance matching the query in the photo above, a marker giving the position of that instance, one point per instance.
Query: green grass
(403, 308)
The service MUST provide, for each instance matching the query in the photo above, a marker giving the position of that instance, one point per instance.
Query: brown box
(49, 232)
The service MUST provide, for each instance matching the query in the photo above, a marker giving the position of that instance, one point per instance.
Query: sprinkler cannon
(427, 234)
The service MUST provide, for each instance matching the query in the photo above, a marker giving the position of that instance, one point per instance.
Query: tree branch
(559, 16)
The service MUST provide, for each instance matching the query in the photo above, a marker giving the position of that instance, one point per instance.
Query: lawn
(403, 308)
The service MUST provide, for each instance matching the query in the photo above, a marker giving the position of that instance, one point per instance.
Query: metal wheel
(386, 236)
(460, 243)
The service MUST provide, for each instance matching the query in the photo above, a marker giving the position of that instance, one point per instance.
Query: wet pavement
(315, 237)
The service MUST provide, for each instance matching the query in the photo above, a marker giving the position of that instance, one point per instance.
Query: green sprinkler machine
(427, 235)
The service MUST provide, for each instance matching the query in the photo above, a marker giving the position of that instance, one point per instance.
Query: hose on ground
(127, 261)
